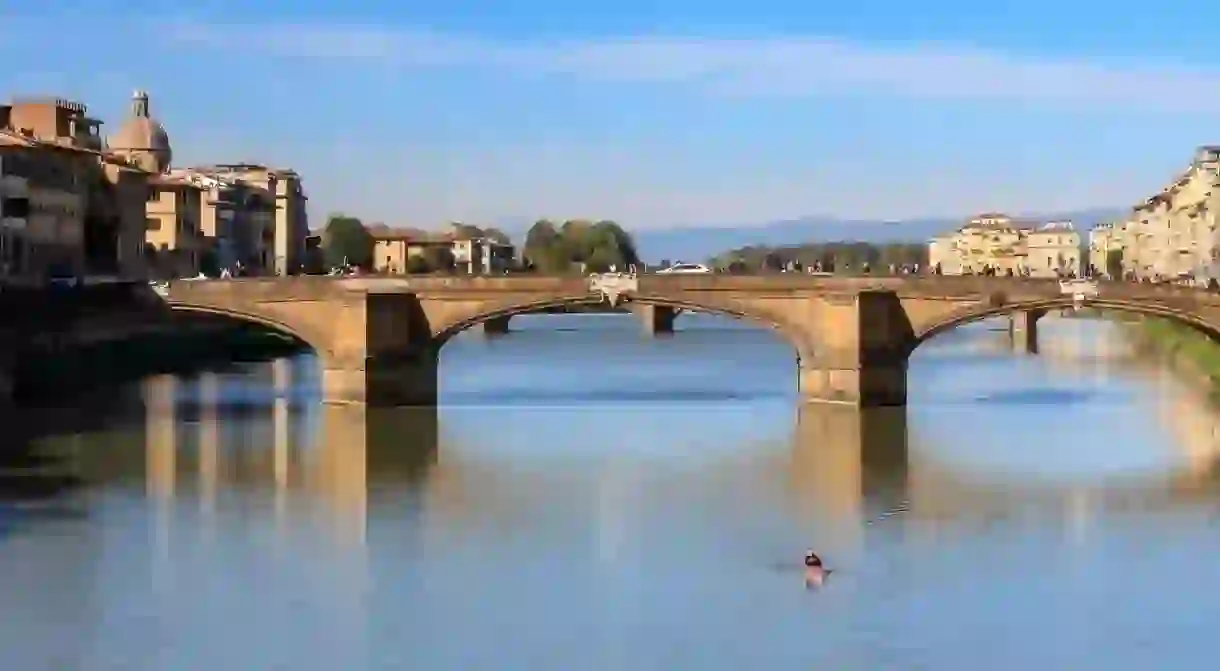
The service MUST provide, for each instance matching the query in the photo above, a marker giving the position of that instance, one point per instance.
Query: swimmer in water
(815, 573)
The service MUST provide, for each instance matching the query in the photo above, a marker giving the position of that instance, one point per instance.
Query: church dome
(143, 139)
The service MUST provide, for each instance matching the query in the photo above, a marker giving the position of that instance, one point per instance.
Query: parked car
(686, 269)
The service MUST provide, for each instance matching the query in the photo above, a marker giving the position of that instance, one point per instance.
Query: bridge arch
(1207, 327)
(312, 340)
(788, 332)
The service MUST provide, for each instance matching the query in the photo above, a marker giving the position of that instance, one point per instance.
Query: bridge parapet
(613, 287)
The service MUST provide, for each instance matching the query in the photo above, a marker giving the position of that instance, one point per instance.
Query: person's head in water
(811, 559)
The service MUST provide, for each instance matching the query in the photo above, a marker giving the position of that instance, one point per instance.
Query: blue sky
(655, 114)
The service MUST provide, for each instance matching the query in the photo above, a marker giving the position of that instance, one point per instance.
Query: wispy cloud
(779, 66)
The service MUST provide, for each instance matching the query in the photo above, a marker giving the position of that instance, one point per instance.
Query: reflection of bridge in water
(1183, 408)
(842, 468)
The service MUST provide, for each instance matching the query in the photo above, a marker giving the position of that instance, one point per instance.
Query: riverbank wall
(57, 366)
(1189, 353)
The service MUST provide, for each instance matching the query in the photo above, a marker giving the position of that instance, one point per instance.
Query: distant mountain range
(701, 242)
(698, 243)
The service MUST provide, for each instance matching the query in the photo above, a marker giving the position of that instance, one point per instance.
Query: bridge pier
(496, 326)
(859, 352)
(1023, 330)
(864, 385)
(409, 379)
(657, 319)
(378, 352)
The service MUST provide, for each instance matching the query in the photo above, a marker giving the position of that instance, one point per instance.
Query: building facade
(1173, 235)
(14, 215)
(1053, 250)
(482, 256)
(240, 216)
(996, 244)
(1106, 245)
(174, 238)
(251, 216)
(70, 207)
(407, 250)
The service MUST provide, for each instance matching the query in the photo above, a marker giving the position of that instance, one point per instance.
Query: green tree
(209, 263)
(829, 255)
(346, 238)
(417, 265)
(599, 246)
(467, 232)
(497, 235)
(543, 249)
(438, 259)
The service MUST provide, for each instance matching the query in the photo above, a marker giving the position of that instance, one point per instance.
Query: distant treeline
(826, 255)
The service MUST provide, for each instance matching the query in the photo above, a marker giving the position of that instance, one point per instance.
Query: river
(589, 498)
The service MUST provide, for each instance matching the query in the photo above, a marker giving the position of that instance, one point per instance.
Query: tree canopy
(345, 239)
(559, 249)
(830, 255)
(468, 231)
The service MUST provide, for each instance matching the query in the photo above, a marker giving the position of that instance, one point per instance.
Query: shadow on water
(22, 482)
(29, 471)
(33, 486)
(1037, 397)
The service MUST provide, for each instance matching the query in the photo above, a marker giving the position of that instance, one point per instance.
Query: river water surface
(588, 498)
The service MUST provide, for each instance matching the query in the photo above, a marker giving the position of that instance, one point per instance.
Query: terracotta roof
(12, 138)
(173, 180)
(383, 232)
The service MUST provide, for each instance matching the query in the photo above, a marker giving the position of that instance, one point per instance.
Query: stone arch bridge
(379, 339)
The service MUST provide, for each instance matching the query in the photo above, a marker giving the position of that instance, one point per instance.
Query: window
(152, 224)
(16, 207)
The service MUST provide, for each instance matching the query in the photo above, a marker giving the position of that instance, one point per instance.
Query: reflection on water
(649, 517)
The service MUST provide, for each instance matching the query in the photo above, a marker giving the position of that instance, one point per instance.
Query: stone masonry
(379, 339)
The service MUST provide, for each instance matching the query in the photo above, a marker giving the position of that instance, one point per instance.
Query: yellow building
(990, 242)
(393, 249)
(1053, 250)
(224, 216)
(1174, 234)
(994, 243)
(253, 215)
(173, 232)
(1105, 241)
(68, 206)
